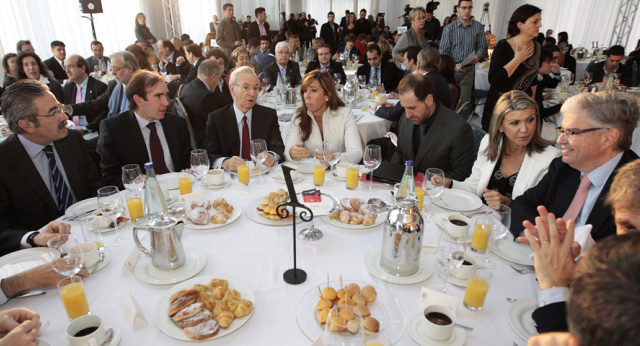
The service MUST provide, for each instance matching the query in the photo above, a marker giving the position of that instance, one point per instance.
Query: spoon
(511, 300)
(382, 206)
(522, 270)
(107, 337)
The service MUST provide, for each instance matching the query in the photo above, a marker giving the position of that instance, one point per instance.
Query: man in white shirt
(283, 66)
(81, 87)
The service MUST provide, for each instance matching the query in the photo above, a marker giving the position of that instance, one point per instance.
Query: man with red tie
(146, 132)
(595, 139)
(231, 128)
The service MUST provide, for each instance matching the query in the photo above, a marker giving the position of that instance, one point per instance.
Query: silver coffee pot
(166, 251)
(402, 239)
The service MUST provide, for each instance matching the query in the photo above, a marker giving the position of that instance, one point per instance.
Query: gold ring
(544, 242)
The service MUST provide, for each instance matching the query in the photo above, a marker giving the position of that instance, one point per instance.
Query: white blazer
(533, 168)
(339, 128)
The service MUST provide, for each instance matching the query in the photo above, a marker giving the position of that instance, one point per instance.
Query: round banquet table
(257, 255)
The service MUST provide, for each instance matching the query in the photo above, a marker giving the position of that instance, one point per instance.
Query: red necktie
(157, 154)
(578, 200)
(246, 139)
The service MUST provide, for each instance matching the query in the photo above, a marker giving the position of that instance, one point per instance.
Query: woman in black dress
(142, 31)
(351, 26)
(30, 66)
(515, 62)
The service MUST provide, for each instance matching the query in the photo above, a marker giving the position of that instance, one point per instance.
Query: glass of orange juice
(73, 297)
(184, 183)
(318, 173)
(353, 175)
(477, 288)
(420, 195)
(244, 175)
(480, 238)
(134, 204)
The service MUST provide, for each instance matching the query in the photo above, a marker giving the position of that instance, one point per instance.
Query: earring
(326, 99)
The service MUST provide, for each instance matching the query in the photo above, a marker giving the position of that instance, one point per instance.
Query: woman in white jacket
(322, 117)
(513, 157)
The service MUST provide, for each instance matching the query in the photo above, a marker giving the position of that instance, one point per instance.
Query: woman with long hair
(322, 117)
(296, 50)
(350, 28)
(142, 31)
(30, 66)
(447, 69)
(141, 56)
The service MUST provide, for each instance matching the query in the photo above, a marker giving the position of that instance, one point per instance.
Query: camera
(485, 7)
(407, 9)
(432, 5)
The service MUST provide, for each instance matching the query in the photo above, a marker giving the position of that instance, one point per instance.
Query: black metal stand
(295, 275)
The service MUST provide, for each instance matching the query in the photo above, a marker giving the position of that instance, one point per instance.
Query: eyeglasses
(54, 114)
(283, 52)
(116, 69)
(571, 133)
(66, 67)
(247, 88)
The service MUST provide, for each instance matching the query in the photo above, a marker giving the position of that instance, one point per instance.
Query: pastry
(369, 293)
(201, 203)
(181, 302)
(371, 325)
(188, 311)
(219, 292)
(202, 331)
(364, 310)
(198, 216)
(345, 203)
(335, 215)
(356, 203)
(195, 319)
(353, 288)
(219, 218)
(322, 316)
(353, 326)
(346, 312)
(324, 304)
(328, 293)
(368, 209)
(368, 219)
(345, 216)
(359, 299)
(225, 318)
(355, 218)
(243, 309)
(218, 283)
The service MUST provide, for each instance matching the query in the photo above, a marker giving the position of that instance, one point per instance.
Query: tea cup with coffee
(467, 269)
(89, 252)
(456, 225)
(215, 177)
(438, 322)
(86, 330)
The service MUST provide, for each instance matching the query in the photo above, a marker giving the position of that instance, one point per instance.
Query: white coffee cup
(215, 177)
(294, 171)
(89, 253)
(434, 331)
(456, 231)
(466, 271)
(341, 169)
(96, 337)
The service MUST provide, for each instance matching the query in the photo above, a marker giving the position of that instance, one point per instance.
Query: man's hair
(95, 43)
(418, 85)
(370, 38)
(167, 44)
(253, 42)
(607, 109)
(259, 10)
(239, 71)
(550, 40)
(563, 36)
(552, 47)
(218, 54)
(362, 36)
(55, 44)
(209, 67)
(141, 41)
(318, 40)
(350, 37)
(17, 103)
(324, 45)
(545, 56)
(140, 82)
(625, 189)
(346, 12)
(20, 44)
(224, 7)
(184, 37)
(282, 44)
(412, 53)
(81, 62)
(374, 48)
(128, 59)
(460, 1)
(363, 10)
(428, 10)
(604, 304)
(264, 38)
(140, 55)
(615, 50)
(5, 61)
(429, 59)
(194, 49)
(331, 13)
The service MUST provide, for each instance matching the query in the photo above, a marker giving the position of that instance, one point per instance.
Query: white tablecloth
(257, 255)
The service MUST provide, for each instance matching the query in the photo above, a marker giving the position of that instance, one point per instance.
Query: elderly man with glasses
(283, 66)
(595, 139)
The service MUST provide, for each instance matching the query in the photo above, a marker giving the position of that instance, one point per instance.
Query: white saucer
(115, 339)
(227, 182)
(452, 279)
(372, 261)
(299, 178)
(457, 339)
(145, 271)
(100, 265)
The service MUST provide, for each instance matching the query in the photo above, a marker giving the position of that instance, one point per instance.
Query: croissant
(218, 202)
(243, 309)
(344, 216)
(217, 310)
(225, 318)
(218, 282)
(368, 219)
(355, 219)
(219, 292)
(219, 218)
(335, 215)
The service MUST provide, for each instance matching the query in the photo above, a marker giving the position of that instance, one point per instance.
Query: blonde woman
(142, 31)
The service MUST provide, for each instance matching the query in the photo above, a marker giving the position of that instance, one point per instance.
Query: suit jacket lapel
(171, 135)
(432, 136)
(89, 95)
(69, 162)
(231, 126)
(132, 129)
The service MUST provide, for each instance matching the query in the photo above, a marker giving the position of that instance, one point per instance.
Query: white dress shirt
(146, 133)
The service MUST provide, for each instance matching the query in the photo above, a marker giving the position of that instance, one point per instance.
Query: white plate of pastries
(203, 308)
(355, 213)
(263, 210)
(206, 214)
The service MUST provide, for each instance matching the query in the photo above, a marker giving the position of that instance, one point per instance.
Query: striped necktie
(63, 193)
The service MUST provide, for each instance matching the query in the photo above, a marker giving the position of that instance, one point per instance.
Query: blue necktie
(124, 102)
(63, 193)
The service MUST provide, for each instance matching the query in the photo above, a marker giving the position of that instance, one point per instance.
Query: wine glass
(362, 80)
(450, 255)
(64, 262)
(336, 78)
(111, 205)
(331, 153)
(616, 78)
(265, 85)
(132, 177)
(349, 92)
(433, 186)
(588, 77)
(199, 162)
(500, 220)
(259, 154)
(356, 60)
(163, 70)
(372, 159)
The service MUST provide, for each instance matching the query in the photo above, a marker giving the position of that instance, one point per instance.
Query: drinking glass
(372, 159)
(319, 171)
(265, 85)
(350, 91)
(616, 78)
(500, 220)
(64, 263)
(331, 154)
(450, 256)
(356, 60)
(163, 70)
(476, 291)
(336, 78)
(433, 185)
(259, 155)
(91, 233)
(199, 162)
(132, 177)
(344, 327)
(588, 77)
(111, 205)
(362, 81)
(73, 297)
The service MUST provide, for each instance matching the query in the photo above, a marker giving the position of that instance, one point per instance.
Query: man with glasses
(47, 167)
(595, 139)
(283, 66)
(325, 63)
(81, 87)
(461, 38)
(231, 128)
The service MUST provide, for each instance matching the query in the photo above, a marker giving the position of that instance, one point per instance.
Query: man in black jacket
(260, 27)
(384, 73)
(55, 64)
(194, 56)
(330, 32)
(610, 66)
(173, 59)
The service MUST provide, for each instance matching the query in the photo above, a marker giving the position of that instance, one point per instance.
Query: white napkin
(583, 236)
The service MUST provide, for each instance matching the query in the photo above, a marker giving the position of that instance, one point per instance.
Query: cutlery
(465, 326)
(43, 328)
(29, 294)
(443, 202)
(522, 270)
(108, 337)
(78, 215)
(511, 300)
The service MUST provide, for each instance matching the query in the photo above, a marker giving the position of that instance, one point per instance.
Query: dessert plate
(235, 214)
(513, 251)
(372, 262)
(253, 215)
(20, 261)
(457, 338)
(520, 318)
(194, 263)
(458, 200)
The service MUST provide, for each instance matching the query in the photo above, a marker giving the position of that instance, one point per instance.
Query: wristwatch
(30, 239)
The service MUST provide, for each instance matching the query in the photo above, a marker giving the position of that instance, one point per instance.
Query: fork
(522, 270)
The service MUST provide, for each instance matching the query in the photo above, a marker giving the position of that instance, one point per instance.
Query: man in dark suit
(194, 57)
(173, 59)
(146, 132)
(81, 87)
(431, 135)
(231, 128)
(13, 240)
(283, 66)
(329, 32)
(595, 138)
(363, 26)
(201, 97)
(610, 66)
(325, 63)
(55, 64)
(563, 60)
(385, 73)
(47, 168)
(344, 19)
(98, 58)
(260, 27)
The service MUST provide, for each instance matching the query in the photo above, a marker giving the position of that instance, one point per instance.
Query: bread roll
(243, 309)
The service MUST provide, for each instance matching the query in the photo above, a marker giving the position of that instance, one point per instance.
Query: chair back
(465, 110)
(182, 112)
(478, 134)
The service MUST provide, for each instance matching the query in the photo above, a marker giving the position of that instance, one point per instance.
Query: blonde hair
(625, 189)
(236, 53)
(177, 44)
(415, 13)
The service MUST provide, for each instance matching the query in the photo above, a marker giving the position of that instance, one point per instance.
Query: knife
(76, 216)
